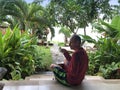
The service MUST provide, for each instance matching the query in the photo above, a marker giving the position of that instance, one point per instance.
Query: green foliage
(45, 59)
(110, 30)
(16, 72)
(77, 14)
(106, 59)
(17, 53)
(101, 61)
(61, 44)
(88, 39)
(108, 71)
(32, 16)
(66, 31)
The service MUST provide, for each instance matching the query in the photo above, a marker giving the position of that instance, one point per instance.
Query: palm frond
(22, 5)
(116, 23)
(88, 39)
(39, 20)
(33, 10)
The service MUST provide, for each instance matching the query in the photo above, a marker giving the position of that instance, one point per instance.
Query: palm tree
(28, 16)
(16, 10)
(66, 31)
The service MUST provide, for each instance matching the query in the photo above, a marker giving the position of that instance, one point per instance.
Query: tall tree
(28, 16)
(77, 14)
(66, 32)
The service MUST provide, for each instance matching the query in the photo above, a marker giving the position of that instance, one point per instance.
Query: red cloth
(77, 67)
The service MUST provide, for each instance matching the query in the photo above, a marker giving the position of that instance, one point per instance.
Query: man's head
(75, 42)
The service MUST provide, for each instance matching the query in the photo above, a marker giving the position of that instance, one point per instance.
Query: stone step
(41, 76)
(89, 83)
(50, 76)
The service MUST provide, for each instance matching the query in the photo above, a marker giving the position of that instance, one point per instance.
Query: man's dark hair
(77, 38)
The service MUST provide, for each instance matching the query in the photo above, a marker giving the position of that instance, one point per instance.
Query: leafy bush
(106, 60)
(107, 52)
(17, 53)
(110, 71)
(43, 63)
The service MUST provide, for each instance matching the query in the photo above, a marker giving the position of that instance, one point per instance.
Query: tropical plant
(28, 16)
(111, 29)
(45, 59)
(109, 71)
(66, 32)
(17, 53)
(108, 50)
(77, 14)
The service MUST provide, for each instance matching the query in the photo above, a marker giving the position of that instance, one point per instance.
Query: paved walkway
(56, 54)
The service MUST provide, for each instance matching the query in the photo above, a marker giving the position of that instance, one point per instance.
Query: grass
(61, 44)
(46, 59)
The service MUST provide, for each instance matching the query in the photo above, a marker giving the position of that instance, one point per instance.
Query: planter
(1, 86)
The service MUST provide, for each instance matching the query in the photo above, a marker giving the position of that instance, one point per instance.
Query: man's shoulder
(80, 52)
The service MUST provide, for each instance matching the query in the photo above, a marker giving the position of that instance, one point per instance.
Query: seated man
(75, 66)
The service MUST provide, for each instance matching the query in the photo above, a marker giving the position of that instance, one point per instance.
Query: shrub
(106, 59)
(17, 53)
(43, 63)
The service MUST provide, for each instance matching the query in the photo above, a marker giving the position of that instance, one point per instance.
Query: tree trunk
(66, 41)
(84, 30)
(85, 35)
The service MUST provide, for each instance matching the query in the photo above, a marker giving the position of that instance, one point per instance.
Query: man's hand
(54, 65)
(63, 50)
(66, 62)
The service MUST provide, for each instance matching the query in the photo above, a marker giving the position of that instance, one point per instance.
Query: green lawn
(45, 59)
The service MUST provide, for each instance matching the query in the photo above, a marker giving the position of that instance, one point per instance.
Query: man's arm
(66, 54)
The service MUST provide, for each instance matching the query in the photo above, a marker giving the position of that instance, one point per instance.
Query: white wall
(60, 37)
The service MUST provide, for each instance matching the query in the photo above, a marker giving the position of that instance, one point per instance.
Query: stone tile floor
(35, 83)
